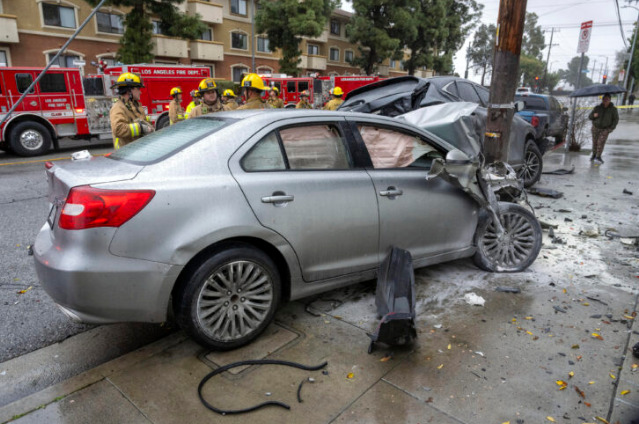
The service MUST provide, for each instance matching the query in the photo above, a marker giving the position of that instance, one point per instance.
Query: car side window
(389, 148)
(468, 93)
(266, 155)
(319, 146)
(452, 89)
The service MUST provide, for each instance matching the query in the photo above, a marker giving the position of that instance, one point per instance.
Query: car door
(426, 217)
(300, 181)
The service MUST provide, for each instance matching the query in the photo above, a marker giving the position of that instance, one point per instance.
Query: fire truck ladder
(51, 62)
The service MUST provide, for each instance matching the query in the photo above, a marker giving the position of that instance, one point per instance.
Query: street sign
(584, 37)
(79, 62)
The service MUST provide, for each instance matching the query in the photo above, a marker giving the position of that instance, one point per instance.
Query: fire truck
(66, 104)
(318, 87)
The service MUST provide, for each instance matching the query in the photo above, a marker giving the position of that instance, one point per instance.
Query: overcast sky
(566, 17)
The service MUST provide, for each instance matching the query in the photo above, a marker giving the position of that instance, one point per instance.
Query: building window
(392, 64)
(64, 60)
(335, 27)
(348, 56)
(207, 35)
(238, 7)
(239, 41)
(4, 60)
(108, 22)
(238, 73)
(264, 71)
(157, 29)
(60, 16)
(263, 45)
(313, 49)
(334, 54)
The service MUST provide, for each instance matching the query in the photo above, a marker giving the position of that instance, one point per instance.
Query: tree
(377, 27)
(533, 41)
(571, 74)
(552, 79)
(482, 48)
(136, 45)
(532, 70)
(461, 16)
(285, 22)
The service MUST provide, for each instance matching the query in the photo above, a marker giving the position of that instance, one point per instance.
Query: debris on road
(473, 299)
(627, 192)
(560, 171)
(508, 289)
(545, 192)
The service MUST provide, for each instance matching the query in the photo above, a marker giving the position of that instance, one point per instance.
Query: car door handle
(278, 199)
(391, 192)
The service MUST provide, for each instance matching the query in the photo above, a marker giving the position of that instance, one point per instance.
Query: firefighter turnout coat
(176, 112)
(204, 109)
(125, 117)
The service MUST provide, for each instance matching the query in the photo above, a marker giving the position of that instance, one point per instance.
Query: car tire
(162, 122)
(230, 298)
(29, 139)
(518, 247)
(533, 165)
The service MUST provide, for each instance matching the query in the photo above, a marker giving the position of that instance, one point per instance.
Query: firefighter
(176, 111)
(195, 95)
(273, 98)
(210, 99)
(252, 88)
(128, 120)
(228, 99)
(303, 103)
(336, 101)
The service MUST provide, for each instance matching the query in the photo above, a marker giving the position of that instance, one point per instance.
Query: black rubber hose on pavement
(251, 362)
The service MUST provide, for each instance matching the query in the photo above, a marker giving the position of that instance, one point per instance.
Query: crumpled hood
(461, 124)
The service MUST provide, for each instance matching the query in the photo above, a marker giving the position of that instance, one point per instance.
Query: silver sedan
(222, 218)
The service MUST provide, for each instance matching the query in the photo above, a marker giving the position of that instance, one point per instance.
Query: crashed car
(396, 96)
(220, 219)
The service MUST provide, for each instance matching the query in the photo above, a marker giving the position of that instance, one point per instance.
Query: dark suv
(546, 115)
(396, 96)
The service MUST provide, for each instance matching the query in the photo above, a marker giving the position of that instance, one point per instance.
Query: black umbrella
(597, 90)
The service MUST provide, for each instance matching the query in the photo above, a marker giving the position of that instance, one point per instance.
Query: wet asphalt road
(30, 320)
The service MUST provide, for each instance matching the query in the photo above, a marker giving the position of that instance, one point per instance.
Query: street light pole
(632, 52)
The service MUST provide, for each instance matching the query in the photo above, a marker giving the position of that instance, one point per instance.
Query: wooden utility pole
(510, 31)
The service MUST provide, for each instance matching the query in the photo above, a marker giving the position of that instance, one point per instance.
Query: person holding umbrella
(604, 119)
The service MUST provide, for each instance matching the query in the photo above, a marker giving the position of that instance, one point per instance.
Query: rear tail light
(88, 207)
(535, 121)
(79, 111)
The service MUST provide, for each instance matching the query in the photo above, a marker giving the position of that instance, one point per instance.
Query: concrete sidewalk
(557, 351)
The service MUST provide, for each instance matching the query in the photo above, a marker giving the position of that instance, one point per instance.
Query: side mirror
(519, 106)
(457, 157)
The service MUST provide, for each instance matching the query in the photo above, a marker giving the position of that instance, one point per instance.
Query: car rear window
(532, 103)
(161, 144)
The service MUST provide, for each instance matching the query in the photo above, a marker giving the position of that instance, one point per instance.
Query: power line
(595, 24)
(620, 26)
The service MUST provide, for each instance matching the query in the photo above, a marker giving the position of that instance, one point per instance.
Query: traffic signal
(604, 78)
(536, 79)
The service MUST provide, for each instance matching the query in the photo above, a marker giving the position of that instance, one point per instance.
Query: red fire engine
(318, 88)
(64, 104)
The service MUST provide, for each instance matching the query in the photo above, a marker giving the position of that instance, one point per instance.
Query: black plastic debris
(545, 192)
(627, 192)
(395, 300)
(508, 289)
(560, 171)
(635, 350)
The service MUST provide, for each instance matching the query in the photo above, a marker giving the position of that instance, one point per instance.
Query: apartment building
(33, 31)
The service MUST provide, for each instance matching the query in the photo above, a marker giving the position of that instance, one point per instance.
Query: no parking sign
(584, 37)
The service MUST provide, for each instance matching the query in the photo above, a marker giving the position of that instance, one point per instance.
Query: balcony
(9, 29)
(210, 12)
(207, 50)
(313, 62)
(382, 70)
(168, 46)
(323, 38)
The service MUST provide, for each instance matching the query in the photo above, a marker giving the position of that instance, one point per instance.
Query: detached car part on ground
(222, 218)
(397, 96)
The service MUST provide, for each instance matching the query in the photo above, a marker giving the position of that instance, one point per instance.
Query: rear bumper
(97, 287)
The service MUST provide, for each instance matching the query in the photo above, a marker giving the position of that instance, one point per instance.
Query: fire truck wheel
(30, 139)
(162, 122)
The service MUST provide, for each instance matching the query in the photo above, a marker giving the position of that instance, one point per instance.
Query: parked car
(524, 90)
(396, 96)
(223, 217)
(545, 114)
